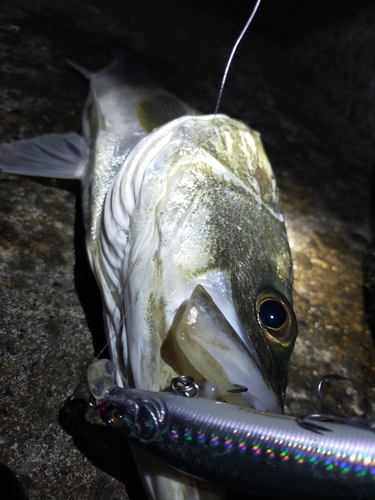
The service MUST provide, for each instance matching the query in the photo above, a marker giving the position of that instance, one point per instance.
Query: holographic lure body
(245, 449)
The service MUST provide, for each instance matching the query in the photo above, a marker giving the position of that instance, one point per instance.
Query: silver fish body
(186, 240)
(256, 452)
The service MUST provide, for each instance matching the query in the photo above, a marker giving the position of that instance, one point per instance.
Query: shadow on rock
(11, 484)
(86, 286)
(369, 264)
(102, 447)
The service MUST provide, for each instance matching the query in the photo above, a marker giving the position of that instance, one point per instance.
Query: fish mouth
(203, 345)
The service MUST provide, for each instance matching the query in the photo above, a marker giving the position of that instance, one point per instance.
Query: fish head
(207, 274)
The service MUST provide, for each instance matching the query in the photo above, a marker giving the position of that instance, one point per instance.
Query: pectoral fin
(153, 111)
(61, 156)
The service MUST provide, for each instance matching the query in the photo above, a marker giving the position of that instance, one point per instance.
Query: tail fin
(61, 156)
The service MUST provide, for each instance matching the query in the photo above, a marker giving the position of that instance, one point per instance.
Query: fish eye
(116, 418)
(276, 316)
(272, 314)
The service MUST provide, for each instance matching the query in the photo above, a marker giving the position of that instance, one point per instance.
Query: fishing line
(124, 315)
(232, 55)
(122, 311)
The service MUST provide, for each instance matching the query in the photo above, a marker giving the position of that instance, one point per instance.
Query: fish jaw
(189, 207)
(202, 343)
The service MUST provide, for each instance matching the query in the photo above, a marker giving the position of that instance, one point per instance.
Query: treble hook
(325, 406)
(328, 415)
(308, 422)
(328, 412)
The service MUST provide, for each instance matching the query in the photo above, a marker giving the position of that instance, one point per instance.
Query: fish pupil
(272, 314)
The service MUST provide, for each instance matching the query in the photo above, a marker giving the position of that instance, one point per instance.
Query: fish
(251, 451)
(186, 239)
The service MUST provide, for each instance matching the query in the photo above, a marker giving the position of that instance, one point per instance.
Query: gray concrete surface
(305, 79)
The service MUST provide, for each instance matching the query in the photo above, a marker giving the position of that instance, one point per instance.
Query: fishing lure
(241, 448)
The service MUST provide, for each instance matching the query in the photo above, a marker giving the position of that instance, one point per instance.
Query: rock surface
(305, 79)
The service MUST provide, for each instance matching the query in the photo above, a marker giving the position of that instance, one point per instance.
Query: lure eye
(116, 418)
(276, 316)
(147, 422)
